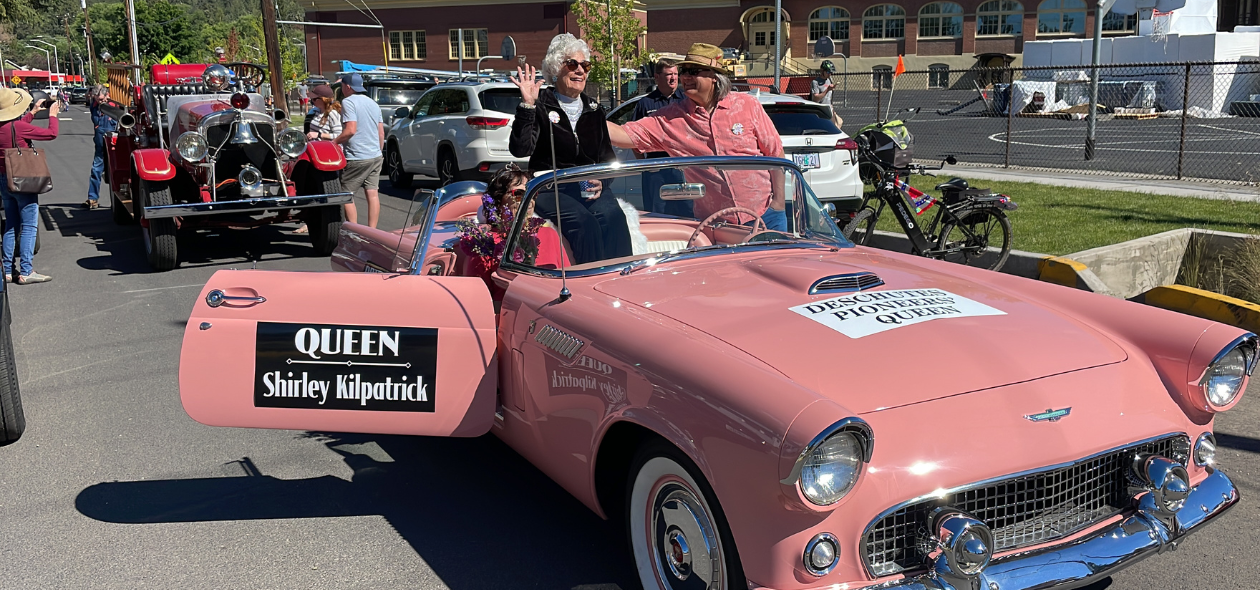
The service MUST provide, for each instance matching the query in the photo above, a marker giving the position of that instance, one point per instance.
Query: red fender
(324, 155)
(153, 164)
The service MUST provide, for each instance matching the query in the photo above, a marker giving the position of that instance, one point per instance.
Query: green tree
(615, 46)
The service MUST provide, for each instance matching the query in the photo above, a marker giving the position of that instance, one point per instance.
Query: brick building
(932, 34)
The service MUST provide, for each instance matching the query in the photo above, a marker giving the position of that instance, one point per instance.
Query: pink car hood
(746, 302)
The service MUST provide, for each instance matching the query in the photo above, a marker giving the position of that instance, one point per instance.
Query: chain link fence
(1177, 120)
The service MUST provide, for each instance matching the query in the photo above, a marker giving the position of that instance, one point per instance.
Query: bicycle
(967, 217)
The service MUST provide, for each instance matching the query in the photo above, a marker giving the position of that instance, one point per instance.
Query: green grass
(1060, 220)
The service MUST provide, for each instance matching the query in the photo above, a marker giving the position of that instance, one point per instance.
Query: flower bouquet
(484, 244)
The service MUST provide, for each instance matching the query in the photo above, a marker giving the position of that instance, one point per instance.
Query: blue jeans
(98, 172)
(775, 219)
(19, 209)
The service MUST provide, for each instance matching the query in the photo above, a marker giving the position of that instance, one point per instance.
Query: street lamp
(47, 59)
(55, 56)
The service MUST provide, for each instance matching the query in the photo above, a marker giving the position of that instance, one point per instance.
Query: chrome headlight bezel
(216, 77)
(854, 430)
(192, 146)
(291, 142)
(1226, 376)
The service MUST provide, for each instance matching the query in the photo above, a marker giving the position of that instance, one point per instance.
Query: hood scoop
(846, 283)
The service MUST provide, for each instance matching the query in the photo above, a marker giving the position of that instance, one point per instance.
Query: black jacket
(531, 138)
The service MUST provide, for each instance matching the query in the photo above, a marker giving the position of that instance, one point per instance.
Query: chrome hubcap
(684, 541)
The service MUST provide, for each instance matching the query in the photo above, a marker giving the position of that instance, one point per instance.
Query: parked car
(827, 155)
(762, 409)
(392, 93)
(188, 156)
(78, 94)
(456, 131)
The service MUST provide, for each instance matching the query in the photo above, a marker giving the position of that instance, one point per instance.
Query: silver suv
(456, 131)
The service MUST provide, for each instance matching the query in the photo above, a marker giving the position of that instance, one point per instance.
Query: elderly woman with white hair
(563, 115)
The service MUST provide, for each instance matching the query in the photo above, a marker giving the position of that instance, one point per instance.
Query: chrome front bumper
(1145, 533)
(246, 205)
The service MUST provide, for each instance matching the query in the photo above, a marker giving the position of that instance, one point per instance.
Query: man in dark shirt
(666, 92)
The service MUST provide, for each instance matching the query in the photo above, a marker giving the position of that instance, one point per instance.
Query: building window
(881, 77)
(829, 21)
(1061, 17)
(940, 19)
(884, 21)
(407, 46)
(476, 43)
(761, 38)
(1119, 23)
(1000, 17)
(938, 76)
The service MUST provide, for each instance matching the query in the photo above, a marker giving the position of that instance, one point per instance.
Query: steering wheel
(249, 74)
(758, 227)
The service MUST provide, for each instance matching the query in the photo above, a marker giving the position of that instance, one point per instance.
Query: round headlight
(216, 77)
(192, 146)
(1205, 450)
(1224, 379)
(821, 554)
(830, 471)
(292, 143)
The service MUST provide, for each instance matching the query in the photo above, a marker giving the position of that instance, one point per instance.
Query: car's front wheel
(159, 236)
(12, 421)
(677, 531)
(398, 178)
(324, 223)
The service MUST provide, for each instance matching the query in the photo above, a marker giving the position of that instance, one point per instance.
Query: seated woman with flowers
(482, 240)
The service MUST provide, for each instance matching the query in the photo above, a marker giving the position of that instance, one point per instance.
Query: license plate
(806, 161)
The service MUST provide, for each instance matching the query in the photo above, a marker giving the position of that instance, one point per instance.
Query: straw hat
(13, 103)
(705, 56)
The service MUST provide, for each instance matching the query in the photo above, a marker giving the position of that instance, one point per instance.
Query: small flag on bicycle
(920, 200)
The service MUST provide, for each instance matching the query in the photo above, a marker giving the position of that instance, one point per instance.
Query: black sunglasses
(573, 64)
(692, 71)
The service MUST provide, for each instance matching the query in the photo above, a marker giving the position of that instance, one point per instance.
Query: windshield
(392, 95)
(802, 123)
(625, 216)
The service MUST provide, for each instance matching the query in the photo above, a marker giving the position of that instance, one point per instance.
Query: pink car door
(344, 352)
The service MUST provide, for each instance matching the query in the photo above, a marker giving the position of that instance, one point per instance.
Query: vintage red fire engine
(197, 148)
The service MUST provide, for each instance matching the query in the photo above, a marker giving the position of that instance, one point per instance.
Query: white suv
(826, 154)
(456, 131)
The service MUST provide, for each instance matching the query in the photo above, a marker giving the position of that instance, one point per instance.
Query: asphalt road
(113, 486)
(1220, 149)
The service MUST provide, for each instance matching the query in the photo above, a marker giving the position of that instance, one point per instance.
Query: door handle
(217, 297)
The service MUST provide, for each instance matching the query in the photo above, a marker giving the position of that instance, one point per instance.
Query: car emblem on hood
(1049, 415)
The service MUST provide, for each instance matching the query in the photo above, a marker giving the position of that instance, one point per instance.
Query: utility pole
(612, 49)
(65, 19)
(87, 31)
(778, 42)
(1091, 121)
(135, 44)
(271, 42)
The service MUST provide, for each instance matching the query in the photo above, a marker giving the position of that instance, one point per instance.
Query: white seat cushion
(664, 246)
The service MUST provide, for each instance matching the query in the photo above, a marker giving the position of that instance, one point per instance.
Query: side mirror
(402, 112)
(829, 209)
(951, 160)
(690, 191)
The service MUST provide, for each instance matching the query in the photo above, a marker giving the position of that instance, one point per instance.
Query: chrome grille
(846, 283)
(1021, 510)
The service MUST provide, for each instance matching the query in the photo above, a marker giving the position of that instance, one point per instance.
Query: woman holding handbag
(22, 208)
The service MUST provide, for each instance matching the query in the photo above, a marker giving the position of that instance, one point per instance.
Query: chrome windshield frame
(544, 180)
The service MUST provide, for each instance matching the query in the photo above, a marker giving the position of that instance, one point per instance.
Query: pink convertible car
(763, 409)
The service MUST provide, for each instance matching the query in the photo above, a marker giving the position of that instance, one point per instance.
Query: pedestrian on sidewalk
(820, 89)
(362, 136)
(666, 93)
(103, 125)
(21, 209)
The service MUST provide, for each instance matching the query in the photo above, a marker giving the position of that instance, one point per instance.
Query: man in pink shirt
(715, 121)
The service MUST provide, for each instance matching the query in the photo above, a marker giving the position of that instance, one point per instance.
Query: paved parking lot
(113, 486)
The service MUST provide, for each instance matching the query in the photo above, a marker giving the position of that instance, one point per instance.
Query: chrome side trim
(993, 480)
(866, 438)
(559, 341)
(1099, 555)
(245, 205)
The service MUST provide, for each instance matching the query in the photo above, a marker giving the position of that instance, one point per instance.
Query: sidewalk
(1150, 186)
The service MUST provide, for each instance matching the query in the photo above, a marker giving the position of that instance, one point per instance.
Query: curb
(1206, 305)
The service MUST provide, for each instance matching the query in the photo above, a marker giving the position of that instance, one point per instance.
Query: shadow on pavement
(459, 503)
(1241, 443)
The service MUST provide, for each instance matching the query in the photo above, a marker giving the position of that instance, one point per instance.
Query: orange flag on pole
(901, 67)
